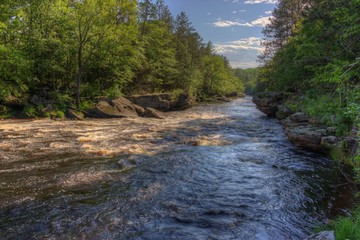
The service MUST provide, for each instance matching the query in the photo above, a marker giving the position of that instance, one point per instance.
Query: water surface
(216, 171)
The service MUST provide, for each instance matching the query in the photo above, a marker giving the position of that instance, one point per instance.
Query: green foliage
(30, 111)
(249, 78)
(348, 228)
(74, 51)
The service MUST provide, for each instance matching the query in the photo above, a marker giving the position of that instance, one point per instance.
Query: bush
(30, 111)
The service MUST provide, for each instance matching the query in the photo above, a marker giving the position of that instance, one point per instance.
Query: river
(215, 171)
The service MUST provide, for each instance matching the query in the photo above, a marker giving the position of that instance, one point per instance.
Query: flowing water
(220, 171)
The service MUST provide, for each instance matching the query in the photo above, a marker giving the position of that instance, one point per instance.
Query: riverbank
(312, 133)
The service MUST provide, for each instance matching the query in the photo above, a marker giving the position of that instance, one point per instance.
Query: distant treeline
(70, 51)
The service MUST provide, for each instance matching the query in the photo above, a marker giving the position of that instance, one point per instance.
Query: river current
(215, 171)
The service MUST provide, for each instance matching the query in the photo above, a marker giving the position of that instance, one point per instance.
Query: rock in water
(153, 113)
(104, 110)
(74, 114)
(163, 101)
(268, 102)
(126, 107)
(157, 101)
(303, 134)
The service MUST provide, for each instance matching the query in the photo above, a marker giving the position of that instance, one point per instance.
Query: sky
(233, 26)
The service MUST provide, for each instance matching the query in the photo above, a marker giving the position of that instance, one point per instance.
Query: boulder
(74, 114)
(325, 235)
(232, 95)
(306, 136)
(156, 101)
(181, 102)
(153, 113)
(126, 107)
(299, 117)
(163, 101)
(222, 99)
(104, 110)
(329, 141)
(303, 134)
(283, 112)
(268, 102)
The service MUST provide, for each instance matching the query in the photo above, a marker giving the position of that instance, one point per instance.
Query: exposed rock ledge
(151, 106)
(163, 101)
(268, 102)
(299, 128)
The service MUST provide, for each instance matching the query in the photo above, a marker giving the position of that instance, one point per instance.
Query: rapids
(215, 171)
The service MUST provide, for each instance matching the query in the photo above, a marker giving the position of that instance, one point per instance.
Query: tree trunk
(79, 75)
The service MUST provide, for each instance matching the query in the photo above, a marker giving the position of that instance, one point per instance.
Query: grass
(348, 227)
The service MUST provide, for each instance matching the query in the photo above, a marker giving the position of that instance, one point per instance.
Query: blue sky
(233, 26)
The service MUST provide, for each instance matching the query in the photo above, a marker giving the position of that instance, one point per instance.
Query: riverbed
(215, 171)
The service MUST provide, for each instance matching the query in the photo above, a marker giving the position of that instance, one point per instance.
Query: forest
(69, 52)
(312, 52)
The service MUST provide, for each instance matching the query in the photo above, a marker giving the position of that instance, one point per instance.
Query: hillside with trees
(67, 53)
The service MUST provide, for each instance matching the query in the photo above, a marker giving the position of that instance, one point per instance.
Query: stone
(156, 101)
(268, 102)
(232, 95)
(181, 102)
(303, 134)
(163, 101)
(74, 114)
(104, 110)
(329, 141)
(126, 107)
(283, 112)
(325, 235)
(331, 130)
(299, 117)
(153, 113)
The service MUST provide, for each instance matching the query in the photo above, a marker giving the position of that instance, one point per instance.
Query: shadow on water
(231, 176)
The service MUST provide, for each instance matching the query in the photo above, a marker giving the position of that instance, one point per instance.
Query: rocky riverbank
(148, 105)
(302, 130)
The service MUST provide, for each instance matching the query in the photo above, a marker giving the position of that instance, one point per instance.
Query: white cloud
(241, 53)
(268, 12)
(260, 22)
(261, 1)
(224, 23)
(238, 11)
(251, 43)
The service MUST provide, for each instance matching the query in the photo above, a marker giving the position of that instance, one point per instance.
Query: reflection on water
(220, 171)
